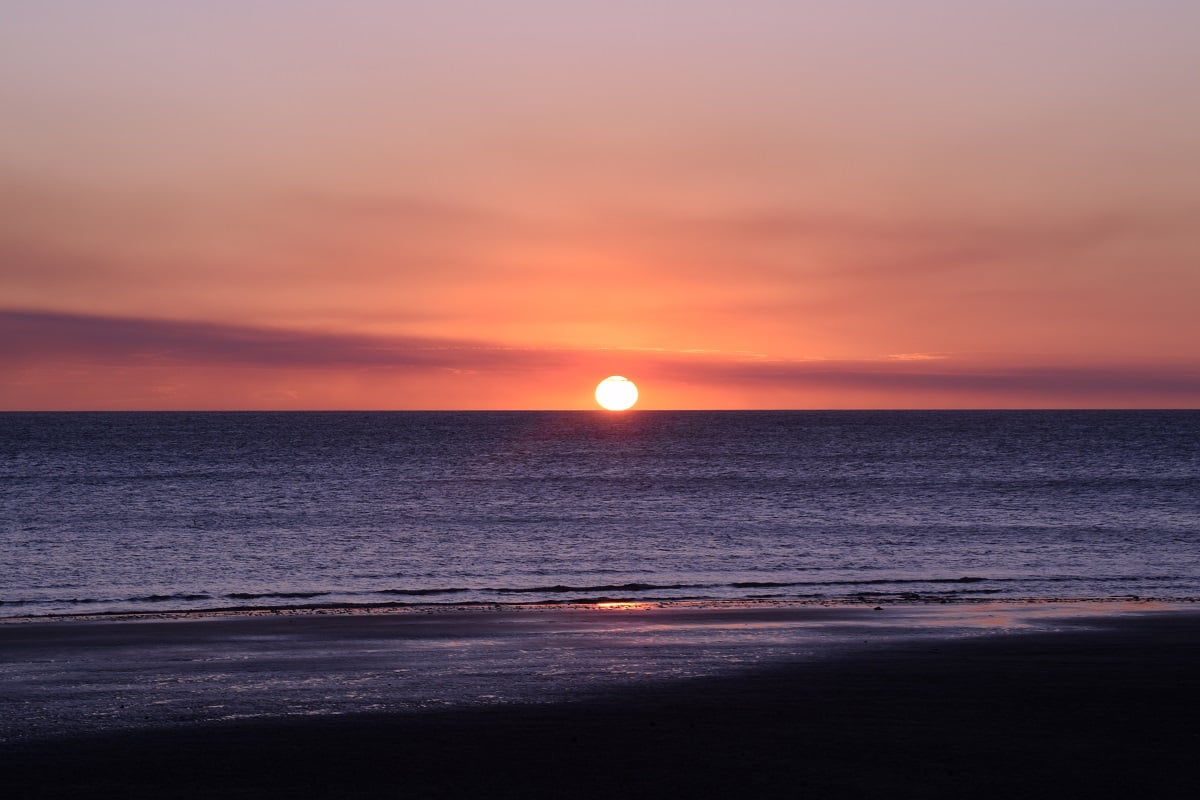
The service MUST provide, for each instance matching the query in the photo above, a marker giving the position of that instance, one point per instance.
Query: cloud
(40, 336)
(27, 264)
(916, 357)
(866, 245)
(954, 378)
(411, 211)
(33, 339)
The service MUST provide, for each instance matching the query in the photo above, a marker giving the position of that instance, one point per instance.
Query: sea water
(117, 512)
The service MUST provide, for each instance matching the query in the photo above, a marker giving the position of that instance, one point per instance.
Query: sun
(616, 393)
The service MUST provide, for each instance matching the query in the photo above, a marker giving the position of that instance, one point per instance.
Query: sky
(280, 204)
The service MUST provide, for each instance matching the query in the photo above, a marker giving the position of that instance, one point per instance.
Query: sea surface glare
(109, 512)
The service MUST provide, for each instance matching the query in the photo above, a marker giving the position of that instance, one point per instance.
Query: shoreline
(598, 603)
(1009, 700)
(98, 674)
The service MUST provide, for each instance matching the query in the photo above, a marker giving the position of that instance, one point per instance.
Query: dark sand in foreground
(1102, 709)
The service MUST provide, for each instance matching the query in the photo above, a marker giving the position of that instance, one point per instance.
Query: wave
(147, 598)
(276, 595)
(612, 587)
(866, 582)
(424, 592)
(903, 588)
(561, 588)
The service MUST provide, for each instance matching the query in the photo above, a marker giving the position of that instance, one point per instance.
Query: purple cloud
(38, 336)
(32, 338)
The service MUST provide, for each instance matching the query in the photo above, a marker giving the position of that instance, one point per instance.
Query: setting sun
(616, 393)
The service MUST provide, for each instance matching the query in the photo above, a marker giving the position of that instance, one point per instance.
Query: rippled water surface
(139, 511)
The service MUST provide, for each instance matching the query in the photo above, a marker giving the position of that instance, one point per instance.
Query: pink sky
(493, 205)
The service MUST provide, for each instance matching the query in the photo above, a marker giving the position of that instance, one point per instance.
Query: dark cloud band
(39, 338)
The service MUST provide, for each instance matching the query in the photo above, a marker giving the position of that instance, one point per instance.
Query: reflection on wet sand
(1088, 700)
(105, 674)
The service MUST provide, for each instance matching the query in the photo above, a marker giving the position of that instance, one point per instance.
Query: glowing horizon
(453, 205)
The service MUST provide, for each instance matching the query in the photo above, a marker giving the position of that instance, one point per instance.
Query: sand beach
(701, 700)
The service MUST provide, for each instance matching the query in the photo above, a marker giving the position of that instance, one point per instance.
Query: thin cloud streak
(38, 336)
(1081, 382)
(866, 246)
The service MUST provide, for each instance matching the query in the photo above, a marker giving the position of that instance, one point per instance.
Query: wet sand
(725, 702)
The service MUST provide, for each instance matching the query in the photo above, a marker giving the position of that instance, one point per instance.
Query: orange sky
(480, 205)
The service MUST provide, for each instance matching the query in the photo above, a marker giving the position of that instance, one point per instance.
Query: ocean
(150, 512)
